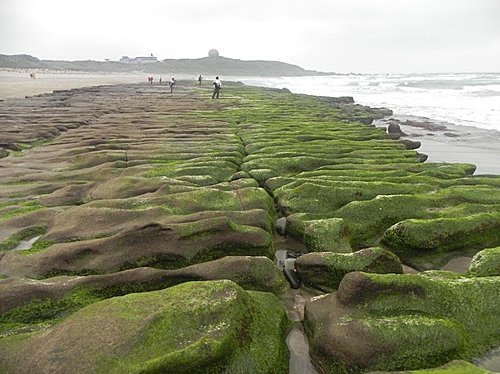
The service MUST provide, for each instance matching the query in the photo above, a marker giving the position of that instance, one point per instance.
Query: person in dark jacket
(217, 87)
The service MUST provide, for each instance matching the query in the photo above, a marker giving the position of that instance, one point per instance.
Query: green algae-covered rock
(209, 327)
(430, 243)
(167, 183)
(322, 197)
(367, 220)
(444, 233)
(167, 246)
(325, 270)
(453, 367)
(326, 235)
(33, 301)
(195, 200)
(261, 175)
(485, 263)
(319, 235)
(403, 322)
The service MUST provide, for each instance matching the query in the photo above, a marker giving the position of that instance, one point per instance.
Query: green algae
(454, 367)
(485, 263)
(344, 183)
(25, 234)
(319, 235)
(469, 302)
(367, 220)
(444, 234)
(14, 240)
(404, 322)
(44, 311)
(197, 326)
(418, 340)
(196, 200)
(19, 209)
(325, 270)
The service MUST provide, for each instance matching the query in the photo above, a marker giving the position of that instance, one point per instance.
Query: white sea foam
(463, 99)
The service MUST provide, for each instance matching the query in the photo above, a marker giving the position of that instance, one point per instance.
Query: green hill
(206, 65)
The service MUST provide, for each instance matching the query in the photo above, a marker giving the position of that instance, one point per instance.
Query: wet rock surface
(196, 327)
(388, 322)
(485, 263)
(325, 270)
(130, 190)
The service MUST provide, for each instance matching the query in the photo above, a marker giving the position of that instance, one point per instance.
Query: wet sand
(485, 157)
(19, 84)
(15, 84)
(453, 143)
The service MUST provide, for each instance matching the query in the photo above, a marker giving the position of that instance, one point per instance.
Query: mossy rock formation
(153, 244)
(403, 322)
(325, 270)
(485, 263)
(120, 189)
(48, 298)
(208, 327)
(453, 367)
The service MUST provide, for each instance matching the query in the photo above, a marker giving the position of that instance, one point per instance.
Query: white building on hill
(138, 60)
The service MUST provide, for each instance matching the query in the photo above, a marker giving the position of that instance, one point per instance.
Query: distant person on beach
(160, 80)
(217, 87)
(171, 84)
(199, 80)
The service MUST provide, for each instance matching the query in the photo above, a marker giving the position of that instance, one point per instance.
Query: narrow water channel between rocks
(294, 301)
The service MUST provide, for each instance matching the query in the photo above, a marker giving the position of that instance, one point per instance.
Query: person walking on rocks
(199, 80)
(217, 87)
(171, 84)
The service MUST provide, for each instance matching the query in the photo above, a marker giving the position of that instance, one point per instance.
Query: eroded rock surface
(194, 327)
(127, 189)
(396, 322)
(325, 270)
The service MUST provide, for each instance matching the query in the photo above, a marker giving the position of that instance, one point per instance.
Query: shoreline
(453, 144)
(16, 83)
(447, 142)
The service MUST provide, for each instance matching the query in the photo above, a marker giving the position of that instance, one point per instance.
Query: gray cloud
(331, 35)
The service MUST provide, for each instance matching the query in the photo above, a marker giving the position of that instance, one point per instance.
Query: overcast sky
(326, 35)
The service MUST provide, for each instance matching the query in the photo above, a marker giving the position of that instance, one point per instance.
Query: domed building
(213, 53)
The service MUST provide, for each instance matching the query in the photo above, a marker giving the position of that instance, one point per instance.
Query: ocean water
(466, 99)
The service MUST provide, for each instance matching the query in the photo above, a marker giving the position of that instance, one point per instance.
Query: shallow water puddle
(458, 265)
(296, 341)
(491, 361)
(27, 244)
(300, 361)
(280, 258)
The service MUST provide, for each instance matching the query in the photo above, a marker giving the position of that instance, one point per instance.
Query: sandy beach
(487, 159)
(446, 142)
(18, 84)
(468, 144)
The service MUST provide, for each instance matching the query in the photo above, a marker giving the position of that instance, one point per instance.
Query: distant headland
(212, 64)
